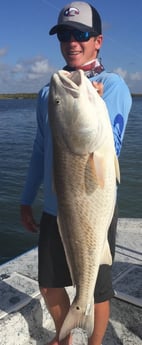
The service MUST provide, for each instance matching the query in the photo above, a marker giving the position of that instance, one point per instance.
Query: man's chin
(74, 64)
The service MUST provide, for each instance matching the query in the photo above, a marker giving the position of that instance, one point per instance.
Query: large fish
(85, 168)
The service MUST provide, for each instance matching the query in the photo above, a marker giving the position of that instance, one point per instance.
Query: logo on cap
(71, 11)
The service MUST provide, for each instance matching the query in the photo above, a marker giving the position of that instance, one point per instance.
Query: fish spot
(77, 307)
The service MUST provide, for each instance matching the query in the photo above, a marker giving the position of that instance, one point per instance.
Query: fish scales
(85, 208)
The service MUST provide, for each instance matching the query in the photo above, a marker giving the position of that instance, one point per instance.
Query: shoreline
(35, 94)
(18, 95)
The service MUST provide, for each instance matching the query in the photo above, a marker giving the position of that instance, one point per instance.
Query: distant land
(34, 95)
(18, 95)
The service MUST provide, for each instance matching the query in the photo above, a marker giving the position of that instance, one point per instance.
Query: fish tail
(78, 318)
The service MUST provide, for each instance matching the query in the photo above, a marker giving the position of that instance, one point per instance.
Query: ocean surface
(17, 131)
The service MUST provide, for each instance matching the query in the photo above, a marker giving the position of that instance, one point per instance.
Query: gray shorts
(52, 266)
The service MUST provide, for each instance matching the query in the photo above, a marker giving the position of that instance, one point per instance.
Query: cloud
(18, 68)
(121, 72)
(133, 79)
(30, 75)
(3, 51)
(26, 76)
(136, 76)
(39, 68)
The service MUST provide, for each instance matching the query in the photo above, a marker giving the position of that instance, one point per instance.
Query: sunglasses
(80, 36)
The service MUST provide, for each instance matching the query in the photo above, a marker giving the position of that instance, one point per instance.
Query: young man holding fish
(80, 34)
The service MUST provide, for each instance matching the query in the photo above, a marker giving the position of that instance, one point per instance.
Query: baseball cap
(79, 15)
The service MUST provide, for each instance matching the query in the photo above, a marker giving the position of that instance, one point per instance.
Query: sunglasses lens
(64, 36)
(80, 36)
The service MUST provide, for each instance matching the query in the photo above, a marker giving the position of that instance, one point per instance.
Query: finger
(99, 87)
(95, 84)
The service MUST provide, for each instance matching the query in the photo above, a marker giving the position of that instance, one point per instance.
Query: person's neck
(90, 68)
(87, 66)
(90, 62)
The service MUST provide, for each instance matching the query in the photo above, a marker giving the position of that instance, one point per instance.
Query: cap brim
(75, 25)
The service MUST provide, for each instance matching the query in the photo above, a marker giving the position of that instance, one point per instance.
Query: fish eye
(58, 101)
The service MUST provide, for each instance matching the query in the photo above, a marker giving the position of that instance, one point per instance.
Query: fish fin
(97, 164)
(117, 169)
(76, 317)
(106, 257)
(92, 165)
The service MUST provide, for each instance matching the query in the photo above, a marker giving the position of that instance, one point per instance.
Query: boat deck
(24, 319)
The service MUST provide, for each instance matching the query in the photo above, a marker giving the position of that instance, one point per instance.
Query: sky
(29, 56)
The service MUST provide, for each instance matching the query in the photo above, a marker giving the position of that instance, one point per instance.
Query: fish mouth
(70, 81)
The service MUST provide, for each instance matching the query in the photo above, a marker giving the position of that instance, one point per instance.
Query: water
(130, 189)
(17, 131)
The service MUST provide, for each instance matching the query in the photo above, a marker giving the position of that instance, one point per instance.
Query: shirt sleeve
(118, 100)
(36, 166)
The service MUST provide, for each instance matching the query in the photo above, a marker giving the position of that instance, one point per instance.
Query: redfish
(85, 169)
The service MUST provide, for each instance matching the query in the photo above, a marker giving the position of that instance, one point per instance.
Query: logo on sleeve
(118, 126)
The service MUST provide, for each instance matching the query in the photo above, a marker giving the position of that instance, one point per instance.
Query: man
(80, 34)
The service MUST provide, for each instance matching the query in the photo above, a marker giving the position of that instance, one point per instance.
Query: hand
(27, 218)
(99, 87)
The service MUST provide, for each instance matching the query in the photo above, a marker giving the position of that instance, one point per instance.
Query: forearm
(34, 178)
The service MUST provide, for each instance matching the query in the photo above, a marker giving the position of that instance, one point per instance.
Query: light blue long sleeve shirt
(118, 100)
